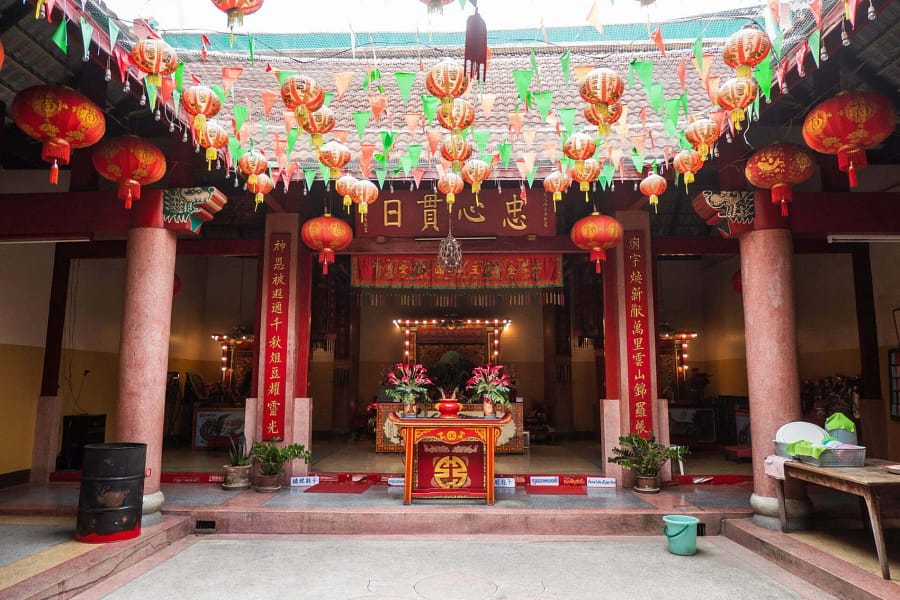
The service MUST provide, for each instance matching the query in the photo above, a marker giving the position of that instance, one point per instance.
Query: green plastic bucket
(681, 531)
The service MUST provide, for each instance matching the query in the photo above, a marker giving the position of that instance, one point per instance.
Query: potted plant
(237, 474)
(408, 382)
(269, 458)
(646, 457)
(492, 384)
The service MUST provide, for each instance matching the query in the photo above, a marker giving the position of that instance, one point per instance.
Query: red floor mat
(567, 490)
(340, 488)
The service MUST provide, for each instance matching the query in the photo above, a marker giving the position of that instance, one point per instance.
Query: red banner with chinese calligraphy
(637, 336)
(478, 271)
(418, 214)
(274, 345)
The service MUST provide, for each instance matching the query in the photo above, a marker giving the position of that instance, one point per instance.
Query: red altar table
(449, 457)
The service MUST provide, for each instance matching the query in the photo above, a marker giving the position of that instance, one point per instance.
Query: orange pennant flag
(682, 67)
(166, 89)
(434, 140)
(269, 99)
(442, 167)
(712, 88)
(703, 70)
(487, 103)
(417, 176)
(523, 170)
(657, 38)
(229, 76)
(290, 121)
(377, 103)
(637, 142)
(340, 134)
(551, 151)
(412, 122)
(718, 117)
(593, 18)
(366, 151)
(515, 123)
(342, 82)
(243, 135)
(528, 134)
(581, 72)
(529, 158)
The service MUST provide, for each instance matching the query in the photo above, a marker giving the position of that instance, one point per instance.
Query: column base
(151, 514)
(765, 512)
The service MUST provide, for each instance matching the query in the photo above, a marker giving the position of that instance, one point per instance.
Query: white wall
(25, 274)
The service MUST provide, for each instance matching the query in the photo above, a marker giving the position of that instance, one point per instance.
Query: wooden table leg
(782, 510)
(864, 514)
(873, 503)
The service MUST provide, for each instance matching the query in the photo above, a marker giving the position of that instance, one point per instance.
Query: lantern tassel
(258, 199)
(476, 51)
(851, 174)
(54, 172)
(128, 200)
(654, 202)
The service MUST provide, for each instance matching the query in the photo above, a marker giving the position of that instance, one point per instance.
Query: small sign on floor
(505, 482)
(544, 480)
(395, 481)
(304, 481)
(601, 482)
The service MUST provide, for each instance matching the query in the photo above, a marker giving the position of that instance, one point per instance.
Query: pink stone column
(772, 372)
(144, 350)
(46, 427)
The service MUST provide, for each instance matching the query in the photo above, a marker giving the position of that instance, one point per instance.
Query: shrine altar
(449, 457)
(511, 440)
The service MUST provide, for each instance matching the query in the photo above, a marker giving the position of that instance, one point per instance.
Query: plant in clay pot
(270, 458)
(646, 458)
(408, 382)
(491, 384)
(237, 473)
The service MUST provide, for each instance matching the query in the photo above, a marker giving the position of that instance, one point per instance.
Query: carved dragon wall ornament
(734, 206)
(186, 209)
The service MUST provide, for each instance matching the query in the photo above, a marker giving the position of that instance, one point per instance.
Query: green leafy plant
(238, 452)
(271, 458)
(491, 381)
(407, 380)
(645, 457)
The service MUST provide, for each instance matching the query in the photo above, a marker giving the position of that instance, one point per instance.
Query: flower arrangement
(407, 380)
(491, 381)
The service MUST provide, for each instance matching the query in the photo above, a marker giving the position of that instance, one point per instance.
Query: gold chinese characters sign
(637, 321)
(478, 271)
(274, 346)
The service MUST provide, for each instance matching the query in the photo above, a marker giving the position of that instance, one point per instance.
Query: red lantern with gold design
(251, 164)
(596, 233)
(587, 172)
(259, 188)
(446, 80)
(702, 134)
(456, 149)
(579, 147)
(687, 162)
(344, 186)
(735, 95)
(202, 103)
(236, 9)
(461, 116)
(595, 117)
(59, 117)
(213, 137)
(335, 156)
(602, 87)
(302, 95)
(317, 124)
(654, 186)
(155, 58)
(847, 124)
(474, 172)
(745, 49)
(777, 167)
(363, 194)
(131, 162)
(556, 183)
(2, 55)
(450, 184)
(326, 235)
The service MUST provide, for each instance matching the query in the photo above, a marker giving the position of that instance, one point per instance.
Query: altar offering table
(868, 482)
(449, 457)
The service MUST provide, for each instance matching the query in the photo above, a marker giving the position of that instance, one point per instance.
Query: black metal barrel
(112, 492)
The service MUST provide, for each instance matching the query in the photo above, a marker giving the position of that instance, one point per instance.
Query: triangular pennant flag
(387, 141)
(203, 53)
(638, 142)
(593, 18)
(60, 36)
(657, 38)
(113, 32)
(529, 158)
(284, 76)
(815, 6)
(152, 92)
(205, 40)
(417, 176)
(567, 116)
(670, 116)
(656, 95)
(268, 99)
(522, 168)
(340, 134)
(178, 77)
(430, 106)
(515, 123)
(290, 120)
(712, 88)
(361, 119)
(543, 101)
(682, 68)
(434, 140)
(342, 82)
(581, 71)
(292, 136)
(219, 91)
(704, 67)
(505, 151)
(310, 176)
(229, 76)
(371, 77)
(644, 70)
(530, 178)
(405, 83)
(406, 164)
(325, 172)
(522, 79)
(487, 103)
(412, 122)
(637, 158)
(329, 96)
(528, 135)
(366, 151)
(550, 150)
(414, 151)
(698, 53)
(241, 113)
(87, 31)
(166, 89)
(564, 62)
(381, 174)
(250, 51)
(481, 139)
(377, 103)
(763, 74)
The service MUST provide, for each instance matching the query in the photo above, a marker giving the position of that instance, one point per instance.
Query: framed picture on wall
(213, 428)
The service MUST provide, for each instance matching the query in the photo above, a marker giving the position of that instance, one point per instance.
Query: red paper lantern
(777, 167)
(131, 162)
(202, 103)
(236, 9)
(745, 49)
(602, 87)
(687, 162)
(654, 185)
(596, 233)
(450, 184)
(556, 183)
(846, 125)
(595, 117)
(253, 163)
(344, 186)
(259, 188)
(59, 117)
(456, 149)
(326, 235)
(364, 193)
(213, 137)
(155, 58)
(474, 172)
(735, 95)
(587, 172)
(461, 116)
(2, 55)
(317, 124)
(335, 156)
(302, 95)
(579, 147)
(702, 134)
(446, 80)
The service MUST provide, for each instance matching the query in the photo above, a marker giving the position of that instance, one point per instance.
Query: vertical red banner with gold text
(275, 342)
(637, 336)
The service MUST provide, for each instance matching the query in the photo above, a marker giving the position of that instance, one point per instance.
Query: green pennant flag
(387, 140)
(670, 116)
(234, 148)
(220, 92)
(763, 75)
(325, 171)
(534, 64)
(777, 43)
(380, 159)
(564, 62)
(292, 136)
(656, 95)
(523, 80)
(486, 157)
(567, 116)
(430, 106)
(361, 118)
(113, 32)
(87, 32)
(644, 70)
(698, 51)
(152, 92)
(250, 48)
(284, 76)
(815, 45)
(406, 164)
(566, 163)
(505, 150)
(310, 176)
(481, 139)
(178, 77)
(371, 77)
(176, 101)
(755, 111)
(381, 174)
(329, 96)
(405, 83)
(606, 175)
(683, 143)
(263, 125)
(60, 36)
(530, 176)
(414, 151)
(684, 103)
(638, 160)
(543, 101)
(241, 112)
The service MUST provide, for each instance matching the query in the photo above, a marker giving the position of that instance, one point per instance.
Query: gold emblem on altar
(450, 472)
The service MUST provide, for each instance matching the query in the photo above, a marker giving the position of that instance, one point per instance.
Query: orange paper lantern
(587, 172)
(556, 183)
(302, 95)
(687, 162)
(326, 235)
(579, 147)
(654, 186)
(364, 193)
(602, 87)
(474, 172)
(735, 95)
(446, 80)
(59, 117)
(155, 58)
(702, 134)
(456, 149)
(259, 188)
(344, 186)
(595, 117)
(335, 156)
(131, 162)
(847, 124)
(212, 137)
(461, 116)
(450, 184)
(202, 103)
(251, 164)
(2, 55)
(596, 233)
(317, 123)
(777, 167)
(745, 49)
(236, 9)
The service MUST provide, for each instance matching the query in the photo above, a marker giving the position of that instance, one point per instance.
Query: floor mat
(340, 488)
(566, 490)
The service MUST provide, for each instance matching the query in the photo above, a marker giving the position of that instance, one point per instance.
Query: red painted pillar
(144, 348)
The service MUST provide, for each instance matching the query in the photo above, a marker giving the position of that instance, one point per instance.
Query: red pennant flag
(417, 176)
(268, 67)
(434, 138)
(229, 76)
(50, 5)
(205, 40)
(657, 38)
(643, 115)
(682, 66)
(195, 80)
(166, 89)
(268, 99)
(340, 134)
(815, 6)
(377, 104)
(203, 54)
(123, 59)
